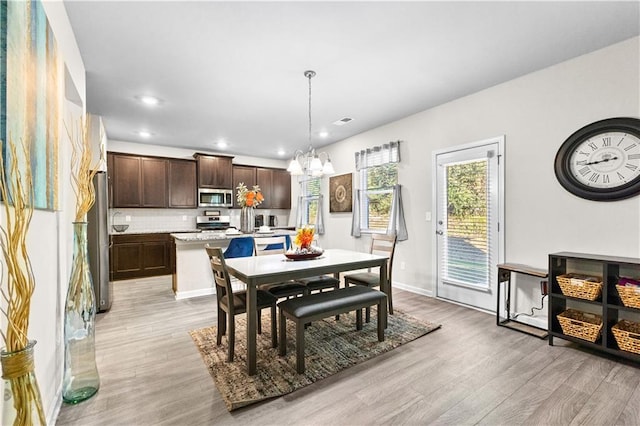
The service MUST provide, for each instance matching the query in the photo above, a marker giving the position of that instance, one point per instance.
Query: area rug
(330, 347)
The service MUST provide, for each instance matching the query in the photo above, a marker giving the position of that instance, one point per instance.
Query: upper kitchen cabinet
(154, 182)
(276, 188)
(275, 185)
(244, 174)
(214, 171)
(281, 189)
(137, 181)
(125, 178)
(182, 184)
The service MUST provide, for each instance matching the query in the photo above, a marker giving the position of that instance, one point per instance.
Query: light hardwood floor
(468, 372)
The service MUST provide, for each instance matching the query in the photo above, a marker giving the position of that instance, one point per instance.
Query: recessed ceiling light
(323, 134)
(221, 144)
(343, 121)
(281, 152)
(148, 100)
(144, 134)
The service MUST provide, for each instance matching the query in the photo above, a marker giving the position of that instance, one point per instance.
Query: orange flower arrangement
(247, 197)
(304, 237)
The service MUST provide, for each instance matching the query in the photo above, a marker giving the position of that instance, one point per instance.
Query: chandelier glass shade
(310, 163)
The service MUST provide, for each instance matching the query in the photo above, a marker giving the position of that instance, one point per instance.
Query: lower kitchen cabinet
(140, 255)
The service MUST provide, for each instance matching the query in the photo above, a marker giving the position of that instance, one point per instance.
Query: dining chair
(232, 303)
(320, 282)
(383, 245)
(272, 246)
(239, 247)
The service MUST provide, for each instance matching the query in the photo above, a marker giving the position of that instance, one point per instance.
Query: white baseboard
(194, 293)
(412, 289)
(533, 321)
(54, 411)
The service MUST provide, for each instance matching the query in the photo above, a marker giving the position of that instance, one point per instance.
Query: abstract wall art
(31, 94)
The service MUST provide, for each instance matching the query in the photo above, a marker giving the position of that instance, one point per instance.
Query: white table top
(265, 268)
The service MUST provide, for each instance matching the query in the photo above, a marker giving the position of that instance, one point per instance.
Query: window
(310, 190)
(377, 195)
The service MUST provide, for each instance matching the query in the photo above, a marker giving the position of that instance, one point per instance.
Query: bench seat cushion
(320, 282)
(316, 304)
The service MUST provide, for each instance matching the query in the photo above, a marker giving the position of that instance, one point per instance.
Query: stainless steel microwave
(215, 197)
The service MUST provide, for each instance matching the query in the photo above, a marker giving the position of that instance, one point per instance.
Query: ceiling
(234, 70)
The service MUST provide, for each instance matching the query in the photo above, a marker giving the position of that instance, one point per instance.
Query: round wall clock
(601, 161)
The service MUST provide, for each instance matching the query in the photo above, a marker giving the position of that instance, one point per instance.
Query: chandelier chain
(309, 74)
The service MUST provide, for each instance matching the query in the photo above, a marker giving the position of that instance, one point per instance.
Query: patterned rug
(330, 347)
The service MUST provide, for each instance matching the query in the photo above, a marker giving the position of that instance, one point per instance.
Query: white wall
(50, 234)
(536, 113)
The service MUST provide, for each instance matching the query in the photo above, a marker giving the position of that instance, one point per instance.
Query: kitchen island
(192, 275)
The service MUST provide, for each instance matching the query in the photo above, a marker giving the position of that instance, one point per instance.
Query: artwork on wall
(340, 199)
(30, 94)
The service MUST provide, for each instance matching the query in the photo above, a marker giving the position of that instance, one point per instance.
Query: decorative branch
(17, 194)
(82, 171)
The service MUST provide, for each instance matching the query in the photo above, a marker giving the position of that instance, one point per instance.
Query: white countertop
(222, 235)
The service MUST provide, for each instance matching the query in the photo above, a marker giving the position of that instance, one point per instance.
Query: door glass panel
(466, 249)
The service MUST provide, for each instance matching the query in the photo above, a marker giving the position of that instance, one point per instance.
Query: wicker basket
(629, 295)
(579, 324)
(576, 285)
(627, 334)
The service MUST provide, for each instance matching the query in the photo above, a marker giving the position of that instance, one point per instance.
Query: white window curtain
(319, 217)
(355, 220)
(378, 155)
(397, 224)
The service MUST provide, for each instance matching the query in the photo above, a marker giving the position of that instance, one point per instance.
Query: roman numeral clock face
(601, 161)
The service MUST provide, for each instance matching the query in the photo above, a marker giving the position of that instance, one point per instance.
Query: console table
(504, 276)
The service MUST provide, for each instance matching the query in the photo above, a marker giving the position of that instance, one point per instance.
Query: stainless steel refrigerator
(98, 243)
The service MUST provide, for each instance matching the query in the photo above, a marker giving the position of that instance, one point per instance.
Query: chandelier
(309, 162)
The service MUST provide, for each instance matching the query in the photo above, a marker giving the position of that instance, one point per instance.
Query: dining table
(257, 270)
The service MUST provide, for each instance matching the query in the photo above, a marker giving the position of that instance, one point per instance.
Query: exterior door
(469, 211)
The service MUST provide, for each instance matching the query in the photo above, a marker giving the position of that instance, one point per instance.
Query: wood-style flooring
(468, 372)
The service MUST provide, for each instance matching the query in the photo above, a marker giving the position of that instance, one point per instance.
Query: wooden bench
(314, 307)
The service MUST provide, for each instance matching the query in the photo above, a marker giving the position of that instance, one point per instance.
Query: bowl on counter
(120, 228)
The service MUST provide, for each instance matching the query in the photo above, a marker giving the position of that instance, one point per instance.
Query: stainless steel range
(212, 223)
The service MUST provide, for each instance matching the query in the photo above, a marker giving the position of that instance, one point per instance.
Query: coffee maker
(259, 220)
(273, 220)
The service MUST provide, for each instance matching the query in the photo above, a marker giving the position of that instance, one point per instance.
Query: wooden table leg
(252, 320)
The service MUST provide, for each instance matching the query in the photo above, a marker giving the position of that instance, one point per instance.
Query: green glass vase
(81, 380)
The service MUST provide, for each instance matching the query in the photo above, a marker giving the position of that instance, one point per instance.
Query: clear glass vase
(21, 402)
(247, 220)
(81, 379)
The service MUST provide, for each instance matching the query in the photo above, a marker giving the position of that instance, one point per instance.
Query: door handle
(439, 232)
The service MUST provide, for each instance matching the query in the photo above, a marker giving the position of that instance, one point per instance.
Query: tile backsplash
(174, 220)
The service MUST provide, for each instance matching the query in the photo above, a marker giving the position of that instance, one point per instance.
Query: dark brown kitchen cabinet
(137, 181)
(281, 189)
(275, 185)
(182, 184)
(154, 182)
(125, 179)
(214, 171)
(140, 255)
(264, 178)
(244, 174)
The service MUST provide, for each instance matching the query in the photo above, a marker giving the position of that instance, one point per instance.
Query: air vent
(343, 121)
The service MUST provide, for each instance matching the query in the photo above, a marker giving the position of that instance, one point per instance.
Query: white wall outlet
(184, 218)
(402, 265)
(127, 218)
(427, 216)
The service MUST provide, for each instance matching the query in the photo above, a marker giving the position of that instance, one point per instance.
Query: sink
(120, 228)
